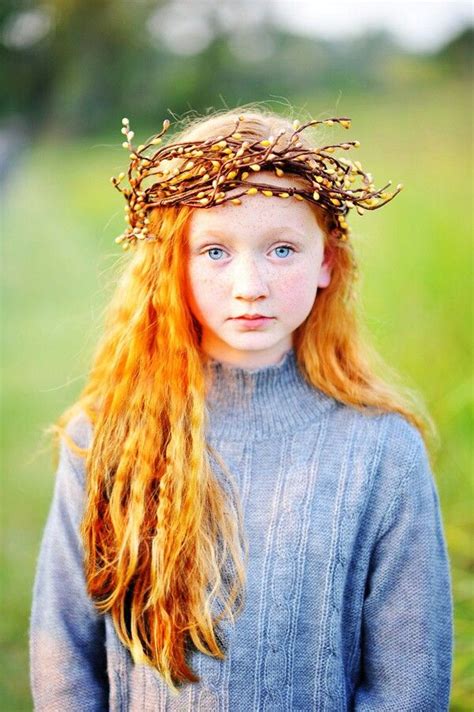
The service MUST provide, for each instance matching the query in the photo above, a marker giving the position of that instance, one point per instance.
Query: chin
(254, 344)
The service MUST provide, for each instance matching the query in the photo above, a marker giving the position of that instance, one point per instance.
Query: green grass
(61, 215)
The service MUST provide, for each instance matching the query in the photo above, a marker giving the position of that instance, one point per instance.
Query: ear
(325, 270)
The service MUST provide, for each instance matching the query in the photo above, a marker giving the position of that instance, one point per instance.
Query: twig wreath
(202, 173)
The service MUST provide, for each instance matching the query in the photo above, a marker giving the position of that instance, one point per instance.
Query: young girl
(244, 515)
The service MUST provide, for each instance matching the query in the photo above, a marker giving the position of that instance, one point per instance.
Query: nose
(249, 281)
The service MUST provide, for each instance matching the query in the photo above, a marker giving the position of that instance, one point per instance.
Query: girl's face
(265, 256)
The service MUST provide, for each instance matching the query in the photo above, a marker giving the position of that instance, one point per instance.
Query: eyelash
(288, 247)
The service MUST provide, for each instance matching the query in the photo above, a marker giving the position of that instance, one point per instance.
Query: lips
(252, 316)
(254, 322)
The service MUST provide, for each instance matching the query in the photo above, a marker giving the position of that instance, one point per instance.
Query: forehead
(258, 212)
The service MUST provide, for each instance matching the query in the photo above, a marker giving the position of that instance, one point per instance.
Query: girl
(244, 516)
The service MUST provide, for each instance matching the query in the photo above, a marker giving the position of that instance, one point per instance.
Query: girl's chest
(296, 644)
(305, 505)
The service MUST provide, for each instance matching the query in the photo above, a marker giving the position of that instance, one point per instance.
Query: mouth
(252, 316)
(253, 322)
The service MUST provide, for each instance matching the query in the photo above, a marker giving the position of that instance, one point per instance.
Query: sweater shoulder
(385, 462)
(387, 439)
(403, 440)
(80, 429)
(78, 437)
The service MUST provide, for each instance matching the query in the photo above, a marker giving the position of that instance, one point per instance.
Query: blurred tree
(93, 51)
(24, 59)
(77, 66)
(457, 55)
(77, 73)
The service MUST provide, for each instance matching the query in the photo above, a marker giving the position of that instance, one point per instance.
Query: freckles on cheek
(207, 290)
(297, 289)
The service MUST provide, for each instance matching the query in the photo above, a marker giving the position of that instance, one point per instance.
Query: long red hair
(159, 525)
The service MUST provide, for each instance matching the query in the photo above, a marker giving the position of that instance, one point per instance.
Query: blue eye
(215, 258)
(213, 249)
(284, 247)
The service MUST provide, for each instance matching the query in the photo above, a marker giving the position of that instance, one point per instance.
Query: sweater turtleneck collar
(257, 403)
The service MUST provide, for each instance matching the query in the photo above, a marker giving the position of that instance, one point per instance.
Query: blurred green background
(69, 71)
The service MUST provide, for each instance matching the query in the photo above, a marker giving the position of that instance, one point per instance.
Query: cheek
(204, 291)
(297, 290)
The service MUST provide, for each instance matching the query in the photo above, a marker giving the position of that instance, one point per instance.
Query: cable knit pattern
(348, 604)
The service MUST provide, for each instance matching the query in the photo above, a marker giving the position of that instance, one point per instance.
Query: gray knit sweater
(348, 597)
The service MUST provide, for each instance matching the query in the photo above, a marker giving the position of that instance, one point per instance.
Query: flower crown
(202, 173)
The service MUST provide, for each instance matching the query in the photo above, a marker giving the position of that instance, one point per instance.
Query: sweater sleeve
(68, 667)
(406, 654)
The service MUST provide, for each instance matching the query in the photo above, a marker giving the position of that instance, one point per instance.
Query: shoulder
(384, 448)
(389, 435)
(403, 444)
(386, 468)
(80, 429)
(78, 434)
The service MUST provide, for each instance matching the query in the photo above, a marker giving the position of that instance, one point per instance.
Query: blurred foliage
(75, 66)
(69, 70)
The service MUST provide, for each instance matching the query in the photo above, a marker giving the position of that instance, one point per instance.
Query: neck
(257, 403)
(214, 349)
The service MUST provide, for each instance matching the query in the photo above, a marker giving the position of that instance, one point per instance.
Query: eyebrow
(286, 230)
